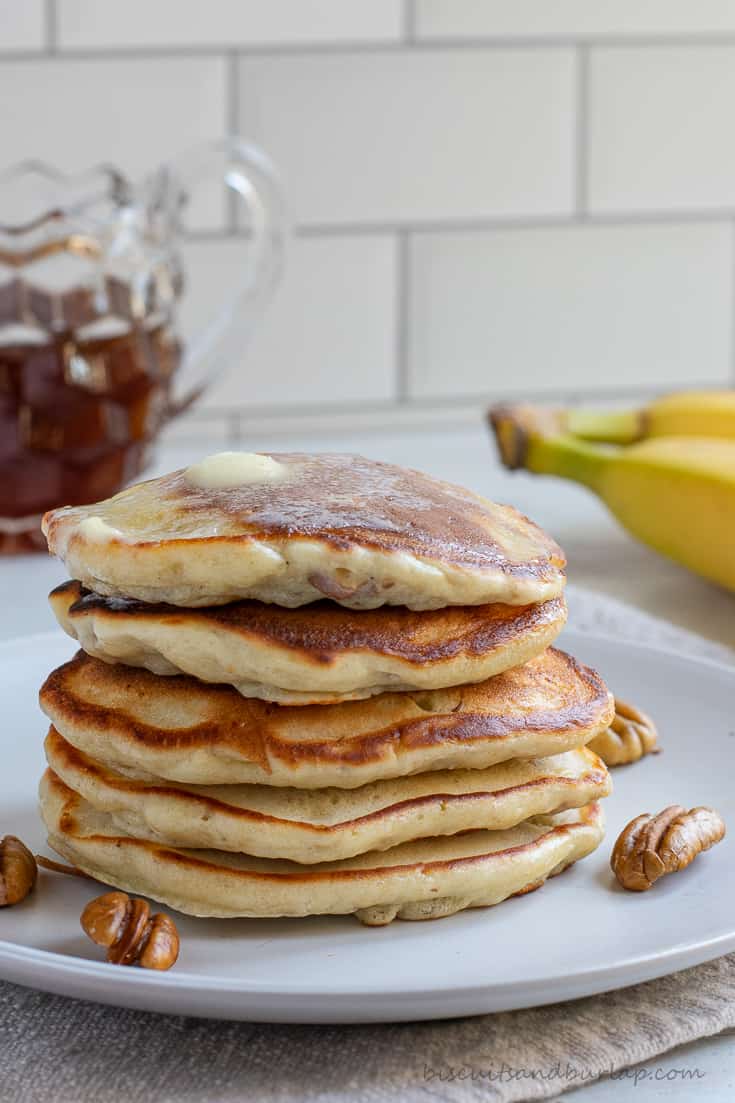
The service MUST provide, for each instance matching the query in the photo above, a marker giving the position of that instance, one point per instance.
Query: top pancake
(295, 527)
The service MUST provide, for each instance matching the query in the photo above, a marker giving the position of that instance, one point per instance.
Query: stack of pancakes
(316, 684)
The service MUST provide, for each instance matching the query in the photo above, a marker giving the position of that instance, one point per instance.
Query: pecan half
(18, 871)
(631, 735)
(651, 846)
(131, 934)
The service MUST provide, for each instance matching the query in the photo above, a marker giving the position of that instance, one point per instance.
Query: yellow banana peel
(675, 493)
(683, 414)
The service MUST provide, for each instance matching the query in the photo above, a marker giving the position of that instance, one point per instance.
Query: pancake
(183, 730)
(320, 654)
(329, 824)
(295, 527)
(416, 880)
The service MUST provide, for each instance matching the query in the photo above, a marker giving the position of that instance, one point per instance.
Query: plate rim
(81, 966)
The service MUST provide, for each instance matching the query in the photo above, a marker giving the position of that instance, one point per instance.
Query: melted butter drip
(227, 470)
(94, 528)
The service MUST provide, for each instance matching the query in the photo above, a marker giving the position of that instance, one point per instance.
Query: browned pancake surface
(323, 630)
(552, 693)
(344, 501)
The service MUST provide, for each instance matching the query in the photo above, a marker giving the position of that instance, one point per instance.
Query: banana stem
(567, 457)
(536, 439)
(610, 426)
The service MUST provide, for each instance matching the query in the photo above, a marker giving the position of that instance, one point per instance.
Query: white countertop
(601, 557)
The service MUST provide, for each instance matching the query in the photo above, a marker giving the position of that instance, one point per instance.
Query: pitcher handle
(249, 175)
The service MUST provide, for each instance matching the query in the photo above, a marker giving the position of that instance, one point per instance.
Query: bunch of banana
(666, 471)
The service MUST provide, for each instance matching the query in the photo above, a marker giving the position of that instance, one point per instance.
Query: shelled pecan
(18, 871)
(130, 933)
(651, 846)
(631, 735)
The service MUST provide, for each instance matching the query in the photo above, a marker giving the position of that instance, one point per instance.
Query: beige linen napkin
(55, 1050)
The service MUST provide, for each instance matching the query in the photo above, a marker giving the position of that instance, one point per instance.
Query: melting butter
(94, 528)
(227, 470)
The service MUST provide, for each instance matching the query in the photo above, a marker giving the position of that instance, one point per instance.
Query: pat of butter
(227, 470)
(94, 528)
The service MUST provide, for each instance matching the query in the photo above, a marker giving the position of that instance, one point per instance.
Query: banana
(676, 494)
(686, 413)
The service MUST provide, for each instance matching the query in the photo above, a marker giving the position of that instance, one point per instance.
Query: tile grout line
(272, 51)
(581, 142)
(51, 27)
(691, 40)
(431, 406)
(402, 315)
(490, 225)
(416, 415)
(231, 127)
(473, 224)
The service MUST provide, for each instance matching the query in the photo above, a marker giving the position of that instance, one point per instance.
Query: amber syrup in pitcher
(85, 381)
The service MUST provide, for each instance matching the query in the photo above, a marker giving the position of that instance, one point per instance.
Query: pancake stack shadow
(316, 684)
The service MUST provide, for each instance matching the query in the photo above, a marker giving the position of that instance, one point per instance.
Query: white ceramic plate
(578, 935)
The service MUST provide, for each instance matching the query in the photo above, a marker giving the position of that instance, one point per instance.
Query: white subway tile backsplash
(21, 25)
(328, 336)
(131, 112)
(110, 24)
(660, 128)
(383, 137)
(600, 181)
(579, 308)
(540, 18)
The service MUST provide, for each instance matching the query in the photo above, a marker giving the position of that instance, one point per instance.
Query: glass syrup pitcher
(93, 360)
